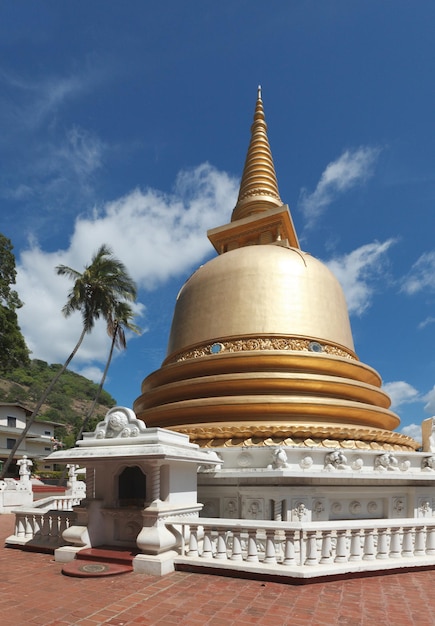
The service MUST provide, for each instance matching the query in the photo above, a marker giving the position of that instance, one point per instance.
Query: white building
(38, 442)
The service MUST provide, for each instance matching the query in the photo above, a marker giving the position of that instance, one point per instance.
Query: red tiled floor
(34, 592)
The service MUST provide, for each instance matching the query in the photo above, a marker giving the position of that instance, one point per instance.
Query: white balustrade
(42, 524)
(317, 546)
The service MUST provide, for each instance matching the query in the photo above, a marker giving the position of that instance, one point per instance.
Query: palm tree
(97, 292)
(117, 323)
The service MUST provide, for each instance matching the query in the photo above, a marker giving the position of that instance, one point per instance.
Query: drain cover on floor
(83, 569)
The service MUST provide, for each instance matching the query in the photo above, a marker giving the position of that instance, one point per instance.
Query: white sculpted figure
(386, 462)
(335, 460)
(24, 464)
(279, 460)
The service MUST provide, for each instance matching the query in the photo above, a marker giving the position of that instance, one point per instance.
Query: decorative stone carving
(335, 460)
(231, 508)
(357, 464)
(355, 507)
(386, 462)
(372, 507)
(425, 508)
(399, 507)
(244, 459)
(318, 509)
(254, 508)
(300, 512)
(279, 460)
(428, 464)
(119, 422)
(404, 465)
(306, 462)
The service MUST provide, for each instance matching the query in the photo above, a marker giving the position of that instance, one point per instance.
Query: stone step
(101, 561)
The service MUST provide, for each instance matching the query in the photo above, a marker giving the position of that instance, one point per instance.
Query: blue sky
(128, 124)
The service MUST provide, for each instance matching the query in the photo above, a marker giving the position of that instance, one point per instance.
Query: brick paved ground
(34, 592)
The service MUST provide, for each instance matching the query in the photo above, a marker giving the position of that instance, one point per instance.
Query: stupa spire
(259, 185)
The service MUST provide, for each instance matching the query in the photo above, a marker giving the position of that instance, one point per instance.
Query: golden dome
(260, 350)
(260, 290)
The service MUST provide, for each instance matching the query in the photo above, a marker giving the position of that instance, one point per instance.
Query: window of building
(12, 422)
(47, 449)
(10, 443)
(47, 432)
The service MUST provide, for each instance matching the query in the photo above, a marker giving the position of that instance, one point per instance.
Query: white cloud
(429, 398)
(426, 322)
(412, 430)
(357, 272)
(350, 169)
(422, 275)
(157, 236)
(34, 101)
(400, 393)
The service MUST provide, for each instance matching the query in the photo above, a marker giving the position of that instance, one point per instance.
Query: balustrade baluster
(236, 554)
(355, 545)
(270, 555)
(407, 548)
(221, 546)
(252, 546)
(382, 550)
(62, 526)
(430, 540)
(207, 546)
(419, 546)
(340, 550)
(28, 534)
(20, 525)
(326, 552)
(369, 544)
(395, 532)
(193, 541)
(289, 548)
(311, 558)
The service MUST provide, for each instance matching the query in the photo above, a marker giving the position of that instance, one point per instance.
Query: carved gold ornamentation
(307, 437)
(260, 343)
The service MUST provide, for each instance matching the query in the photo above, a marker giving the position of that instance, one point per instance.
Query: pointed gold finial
(259, 186)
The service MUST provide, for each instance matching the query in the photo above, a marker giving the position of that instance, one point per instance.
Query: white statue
(279, 460)
(24, 464)
(386, 462)
(335, 460)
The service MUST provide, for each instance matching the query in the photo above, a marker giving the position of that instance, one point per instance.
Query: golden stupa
(261, 350)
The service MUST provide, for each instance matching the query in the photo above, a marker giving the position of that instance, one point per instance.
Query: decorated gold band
(247, 344)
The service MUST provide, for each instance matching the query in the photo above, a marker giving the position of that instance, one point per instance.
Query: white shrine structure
(269, 447)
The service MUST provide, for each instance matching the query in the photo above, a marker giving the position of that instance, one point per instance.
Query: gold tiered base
(263, 397)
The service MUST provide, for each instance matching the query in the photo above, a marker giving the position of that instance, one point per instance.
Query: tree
(13, 349)
(117, 323)
(99, 291)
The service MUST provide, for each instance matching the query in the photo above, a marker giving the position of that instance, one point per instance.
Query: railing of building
(307, 550)
(41, 526)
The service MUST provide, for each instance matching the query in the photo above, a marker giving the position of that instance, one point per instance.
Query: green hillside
(67, 404)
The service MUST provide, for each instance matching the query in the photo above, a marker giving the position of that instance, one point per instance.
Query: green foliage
(67, 404)
(13, 348)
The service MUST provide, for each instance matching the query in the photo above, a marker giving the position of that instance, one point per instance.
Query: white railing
(306, 550)
(41, 526)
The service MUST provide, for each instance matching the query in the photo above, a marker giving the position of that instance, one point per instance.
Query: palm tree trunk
(100, 387)
(94, 404)
(39, 405)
